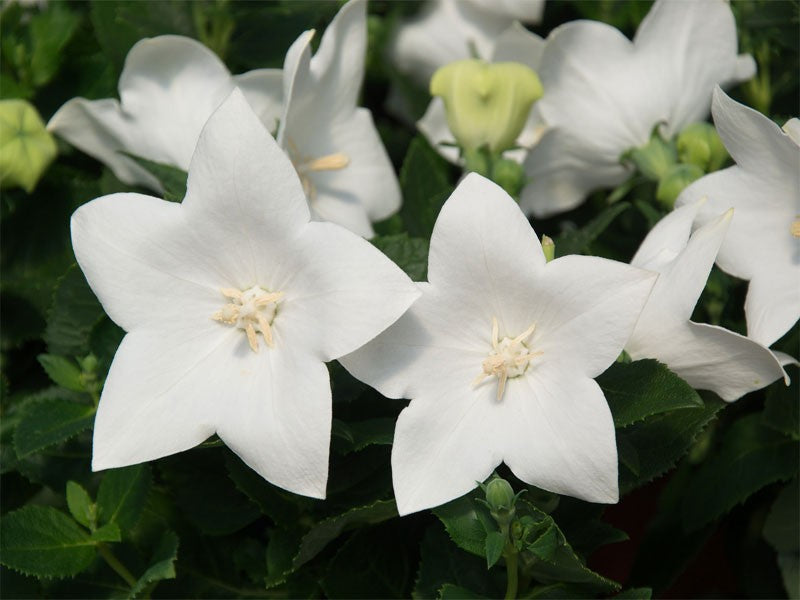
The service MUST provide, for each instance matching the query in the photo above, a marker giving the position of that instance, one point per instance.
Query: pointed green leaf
(494, 545)
(577, 241)
(107, 533)
(410, 254)
(44, 542)
(62, 371)
(425, 184)
(73, 313)
(162, 563)
(50, 422)
(122, 495)
(546, 543)
(172, 179)
(272, 501)
(466, 522)
(635, 594)
(455, 592)
(80, 504)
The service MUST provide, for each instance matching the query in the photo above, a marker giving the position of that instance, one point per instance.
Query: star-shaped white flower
(449, 30)
(168, 89)
(706, 356)
(604, 94)
(232, 302)
(333, 143)
(498, 357)
(763, 244)
(515, 44)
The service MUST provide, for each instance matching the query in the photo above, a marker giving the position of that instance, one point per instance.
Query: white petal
(368, 179)
(559, 435)
(707, 357)
(585, 309)
(344, 210)
(278, 418)
(163, 393)
(517, 44)
(340, 291)
(562, 170)
(756, 143)
(668, 238)
(528, 11)
(263, 89)
(433, 126)
(243, 195)
(792, 129)
(144, 263)
(444, 446)
(772, 306)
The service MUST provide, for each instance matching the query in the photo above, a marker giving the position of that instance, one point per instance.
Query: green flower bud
(674, 182)
(26, 147)
(509, 175)
(500, 498)
(699, 144)
(654, 159)
(486, 104)
(89, 363)
(548, 247)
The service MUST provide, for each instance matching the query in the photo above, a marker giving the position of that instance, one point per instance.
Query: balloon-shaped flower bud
(486, 104)
(26, 147)
(699, 144)
(654, 159)
(501, 499)
(674, 181)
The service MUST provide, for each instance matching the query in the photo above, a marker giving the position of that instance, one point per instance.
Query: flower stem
(114, 563)
(511, 572)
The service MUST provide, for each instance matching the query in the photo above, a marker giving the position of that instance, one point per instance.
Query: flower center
(305, 166)
(795, 229)
(509, 358)
(252, 310)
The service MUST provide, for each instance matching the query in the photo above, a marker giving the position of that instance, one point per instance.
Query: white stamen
(509, 358)
(795, 229)
(305, 165)
(252, 310)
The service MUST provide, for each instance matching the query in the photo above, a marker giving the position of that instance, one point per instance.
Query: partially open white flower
(449, 30)
(333, 143)
(498, 357)
(706, 356)
(168, 89)
(232, 302)
(763, 244)
(604, 94)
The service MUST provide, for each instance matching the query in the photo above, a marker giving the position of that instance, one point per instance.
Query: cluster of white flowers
(233, 299)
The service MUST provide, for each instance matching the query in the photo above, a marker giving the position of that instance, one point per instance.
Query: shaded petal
(347, 211)
(163, 393)
(517, 44)
(559, 435)
(433, 126)
(707, 357)
(772, 306)
(528, 11)
(340, 290)
(144, 263)
(263, 89)
(279, 422)
(668, 238)
(562, 170)
(444, 446)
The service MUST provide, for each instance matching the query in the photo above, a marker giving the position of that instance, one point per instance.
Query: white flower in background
(706, 356)
(498, 357)
(232, 302)
(333, 144)
(449, 30)
(515, 44)
(604, 94)
(763, 244)
(168, 89)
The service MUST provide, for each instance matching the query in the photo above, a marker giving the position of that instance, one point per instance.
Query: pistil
(305, 166)
(509, 358)
(253, 311)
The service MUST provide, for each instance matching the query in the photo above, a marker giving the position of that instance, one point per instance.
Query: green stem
(114, 563)
(512, 572)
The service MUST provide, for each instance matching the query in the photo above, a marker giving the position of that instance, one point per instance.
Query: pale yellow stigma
(305, 166)
(252, 310)
(509, 358)
(795, 229)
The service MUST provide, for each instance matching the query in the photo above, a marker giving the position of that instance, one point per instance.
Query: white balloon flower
(763, 244)
(706, 356)
(499, 355)
(232, 302)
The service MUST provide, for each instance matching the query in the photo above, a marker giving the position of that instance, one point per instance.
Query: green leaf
(644, 388)
(358, 435)
(73, 313)
(50, 422)
(425, 184)
(642, 593)
(162, 563)
(749, 457)
(282, 545)
(80, 504)
(782, 531)
(50, 30)
(107, 533)
(62, 371)
(466, 522)
(781, 409)
(172, 179)
(546, 544)
(122, 495)
(577, 241)
(410, 254)
(44, 542)
(272, 501)
(494, 545)
(455, 592)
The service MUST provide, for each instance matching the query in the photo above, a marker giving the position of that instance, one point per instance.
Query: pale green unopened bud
(501, 499)
(26, 147)
(549, 248)
(674, 182)
(509, 175)
(486, 104)
(654, 159)
(699, 144)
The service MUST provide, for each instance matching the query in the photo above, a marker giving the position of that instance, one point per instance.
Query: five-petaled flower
(498, 357)
(232, 302)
